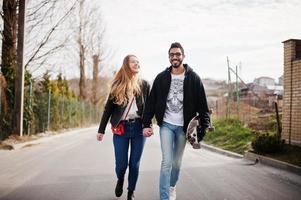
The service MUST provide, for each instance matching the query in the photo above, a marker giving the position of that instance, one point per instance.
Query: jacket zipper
(185, 80)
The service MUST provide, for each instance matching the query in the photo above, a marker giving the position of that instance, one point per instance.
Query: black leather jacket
(115, 111)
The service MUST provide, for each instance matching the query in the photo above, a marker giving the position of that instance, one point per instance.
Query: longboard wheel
(196, 146)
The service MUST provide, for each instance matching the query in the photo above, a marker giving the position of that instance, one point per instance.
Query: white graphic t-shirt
(174, 103)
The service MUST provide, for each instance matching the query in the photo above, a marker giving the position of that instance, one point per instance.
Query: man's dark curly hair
(176, 45)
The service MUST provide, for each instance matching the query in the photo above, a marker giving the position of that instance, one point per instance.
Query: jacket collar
(188, 69)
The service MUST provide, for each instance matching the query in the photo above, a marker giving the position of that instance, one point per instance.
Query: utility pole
(229, 90)
(19, 82)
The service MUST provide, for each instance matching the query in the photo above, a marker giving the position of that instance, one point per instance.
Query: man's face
(176, 57)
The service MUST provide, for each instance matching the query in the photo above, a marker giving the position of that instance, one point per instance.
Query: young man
(177, 95)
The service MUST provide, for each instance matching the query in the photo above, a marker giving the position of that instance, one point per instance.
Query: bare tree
(95, 81)
(90, 42)
(45, 18)
(47, 32)
(8, 61)
(82, 50)
(9, 39)
(99, 52)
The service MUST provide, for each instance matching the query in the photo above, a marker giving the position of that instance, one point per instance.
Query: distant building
(275, 89)
(264, 81)
(211, 84)
(259, 89)
(254, 88)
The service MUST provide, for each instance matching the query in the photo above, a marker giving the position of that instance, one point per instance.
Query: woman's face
(134, 64)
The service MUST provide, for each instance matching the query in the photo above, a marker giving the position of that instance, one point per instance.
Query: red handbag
(119, 129)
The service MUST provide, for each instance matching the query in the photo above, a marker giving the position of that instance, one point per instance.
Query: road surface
(75, 166)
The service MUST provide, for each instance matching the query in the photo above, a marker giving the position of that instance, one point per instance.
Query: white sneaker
(172, 193)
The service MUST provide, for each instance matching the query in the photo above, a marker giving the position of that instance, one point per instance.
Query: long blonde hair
(125, 84)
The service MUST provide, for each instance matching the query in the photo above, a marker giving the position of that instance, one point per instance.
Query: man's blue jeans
(172, 146)
(133, 137)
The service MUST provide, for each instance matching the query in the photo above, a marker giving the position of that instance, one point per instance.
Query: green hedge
(267, 143)
(51, 105)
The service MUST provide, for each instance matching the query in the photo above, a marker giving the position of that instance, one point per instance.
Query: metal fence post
(81, 113)
(30, 105)
(69, 113)
(90, 113)
(63, 107)
(49, 101)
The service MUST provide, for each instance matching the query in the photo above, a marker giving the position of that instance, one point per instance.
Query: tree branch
(47, 37)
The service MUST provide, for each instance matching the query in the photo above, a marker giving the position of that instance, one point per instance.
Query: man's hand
(200, 133)
(99, 136)
(147, 132)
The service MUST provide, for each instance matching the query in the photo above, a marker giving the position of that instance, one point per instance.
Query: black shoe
(130, 195)
(119, 188)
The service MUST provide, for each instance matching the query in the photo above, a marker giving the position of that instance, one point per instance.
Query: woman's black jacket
(115, 111)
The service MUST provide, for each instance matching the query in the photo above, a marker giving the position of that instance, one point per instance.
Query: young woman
(125, 107)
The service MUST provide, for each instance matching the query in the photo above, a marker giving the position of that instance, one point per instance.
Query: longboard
(191, 133)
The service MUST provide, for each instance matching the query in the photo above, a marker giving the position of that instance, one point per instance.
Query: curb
(256, 158)
(272, 162)
(221, 151)
(50, 137)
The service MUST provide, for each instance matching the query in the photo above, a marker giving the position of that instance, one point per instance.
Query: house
(264, 81)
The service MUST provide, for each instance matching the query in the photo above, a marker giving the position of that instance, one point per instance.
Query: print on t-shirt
(175, 96)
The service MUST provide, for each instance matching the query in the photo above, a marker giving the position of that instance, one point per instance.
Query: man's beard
(176, 65)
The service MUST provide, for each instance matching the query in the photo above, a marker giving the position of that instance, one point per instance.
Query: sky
(250, 33)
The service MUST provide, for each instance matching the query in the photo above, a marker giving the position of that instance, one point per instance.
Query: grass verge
(231, 135)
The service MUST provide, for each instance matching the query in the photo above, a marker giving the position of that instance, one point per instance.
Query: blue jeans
(133, 137)
(173, 143)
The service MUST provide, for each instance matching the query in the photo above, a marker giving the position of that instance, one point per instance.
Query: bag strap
(129, 107)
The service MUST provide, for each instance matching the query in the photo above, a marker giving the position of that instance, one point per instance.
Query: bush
(266, 143)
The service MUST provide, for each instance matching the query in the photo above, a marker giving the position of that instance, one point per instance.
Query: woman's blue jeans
(133, 138)
(173, 143)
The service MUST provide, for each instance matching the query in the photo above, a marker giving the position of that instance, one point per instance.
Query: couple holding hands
(176, 96)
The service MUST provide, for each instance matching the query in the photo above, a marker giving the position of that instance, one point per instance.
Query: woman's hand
(147, 132)
(99, 136)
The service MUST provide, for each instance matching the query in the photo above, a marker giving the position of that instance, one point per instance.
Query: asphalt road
(75, 166)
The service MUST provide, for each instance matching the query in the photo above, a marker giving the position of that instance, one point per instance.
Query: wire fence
(44, 111)
(49, 112)
(257, 114)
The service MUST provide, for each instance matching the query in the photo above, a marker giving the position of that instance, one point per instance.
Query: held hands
(147, 132)
(99, 136)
